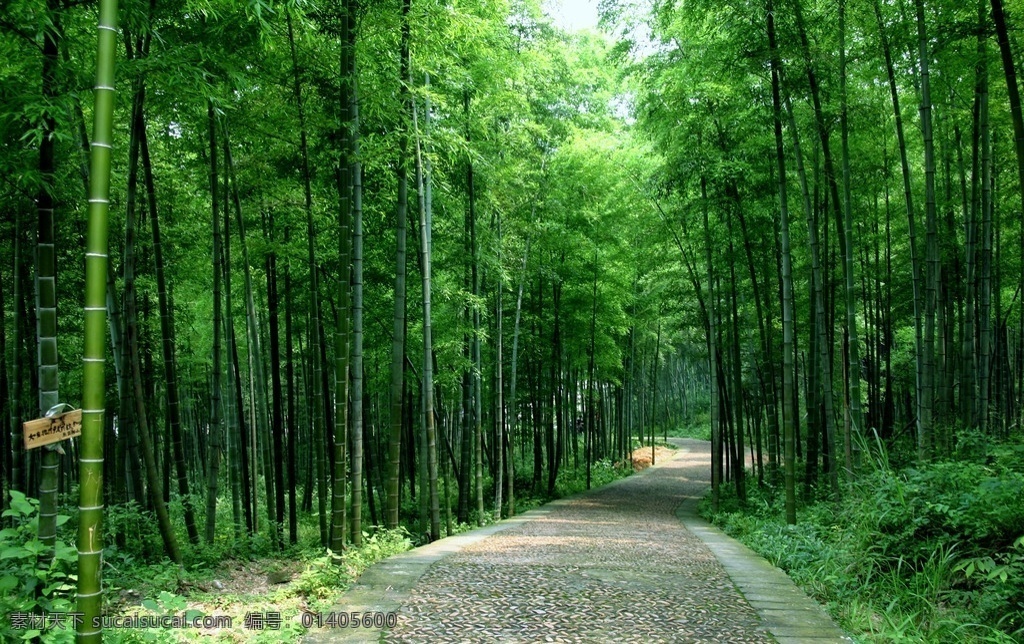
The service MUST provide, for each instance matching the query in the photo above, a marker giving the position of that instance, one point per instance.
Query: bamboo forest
(236, 372)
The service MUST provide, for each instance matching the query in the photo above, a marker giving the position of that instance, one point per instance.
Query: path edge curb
(786, 612)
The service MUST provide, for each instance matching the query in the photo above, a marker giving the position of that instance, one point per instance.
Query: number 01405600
(354, 619)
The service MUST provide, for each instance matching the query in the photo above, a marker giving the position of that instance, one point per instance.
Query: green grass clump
(699, 427)
(569, 481)
(324, 575)
(29, 585)
(928, 553)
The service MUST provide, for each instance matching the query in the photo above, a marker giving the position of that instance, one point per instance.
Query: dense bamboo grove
(287, 180)
(798, 223)
(891, 302)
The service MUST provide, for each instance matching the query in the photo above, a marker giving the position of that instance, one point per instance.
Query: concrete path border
(785, 611)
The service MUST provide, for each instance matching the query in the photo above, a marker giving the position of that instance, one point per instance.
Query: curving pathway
(629, 562)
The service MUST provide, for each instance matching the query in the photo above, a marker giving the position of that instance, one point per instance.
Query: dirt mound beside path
(642, 456)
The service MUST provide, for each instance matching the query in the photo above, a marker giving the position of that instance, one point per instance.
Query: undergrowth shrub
(133, 531)
(569, 481)
(976, 505)
(602, 472)
(323, 577)
(927, 553)
(27, 586)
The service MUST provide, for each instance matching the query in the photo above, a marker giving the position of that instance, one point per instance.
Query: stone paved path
(629, 562)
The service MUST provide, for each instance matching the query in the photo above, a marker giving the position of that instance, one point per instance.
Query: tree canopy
(796, 225)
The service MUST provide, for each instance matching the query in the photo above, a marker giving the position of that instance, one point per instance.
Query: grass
(301, 580)
(929, 553)
(570, 481)
(698, 426)
(234, 577)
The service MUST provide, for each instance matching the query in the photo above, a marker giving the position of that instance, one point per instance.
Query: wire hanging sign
(56, 425)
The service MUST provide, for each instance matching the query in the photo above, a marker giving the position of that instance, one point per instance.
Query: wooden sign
(43, 431)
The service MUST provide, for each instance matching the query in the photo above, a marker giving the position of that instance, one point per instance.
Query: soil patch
(642, 456)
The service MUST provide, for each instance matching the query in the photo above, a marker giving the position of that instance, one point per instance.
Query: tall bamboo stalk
(15, 482)
(499, 412)
(856, 416)
(255, 352)
(398, 328)
(342, 340)
(358, 422)
(216, 422)
(46, 287)
(824, 360)
(430, 437)
(924, 438)
(788, 384)
(316, 390)
(515, 363)
(1013, 92)
(911, 222)
(90, 462)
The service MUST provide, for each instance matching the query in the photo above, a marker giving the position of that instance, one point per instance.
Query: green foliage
(325, 576)
(167, 590)
(604, 471)
(125, 571)
(932, 553)
(135, 529)
(25, 587)
(699, 429)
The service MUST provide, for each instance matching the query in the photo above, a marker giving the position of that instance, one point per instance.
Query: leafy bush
(26, 586)
(325, 577)
(133, 530)
(573, 481)
(699, 427)
(993, 585)
(570, 481)
(910, 513)
(933, 552)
